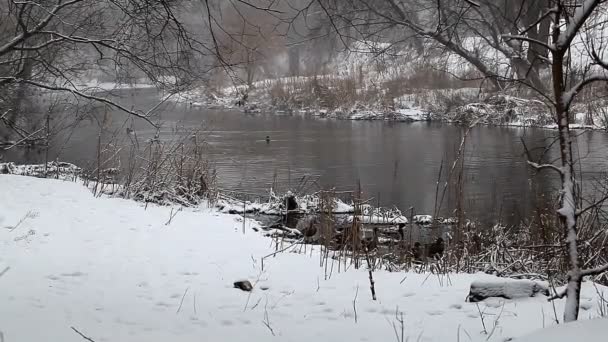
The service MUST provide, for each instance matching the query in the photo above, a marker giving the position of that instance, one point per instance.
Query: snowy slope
(588, 331)
(116, 272)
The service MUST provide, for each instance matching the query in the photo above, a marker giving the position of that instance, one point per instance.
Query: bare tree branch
(82, 335)
(595, 271)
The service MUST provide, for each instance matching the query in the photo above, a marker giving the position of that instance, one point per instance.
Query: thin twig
(355, 303)
(266, 320)
(4, 271)
(82, 335)
(482, 319)
(182, 301)
(279, 251)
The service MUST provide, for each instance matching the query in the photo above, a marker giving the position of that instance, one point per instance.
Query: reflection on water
(395, 163)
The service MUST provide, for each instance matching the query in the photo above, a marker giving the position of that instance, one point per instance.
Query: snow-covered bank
(116, 271)
(463, 106)
(590, 331)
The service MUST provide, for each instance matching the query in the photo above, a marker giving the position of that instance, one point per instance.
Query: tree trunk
(294, 61)
(568, 205)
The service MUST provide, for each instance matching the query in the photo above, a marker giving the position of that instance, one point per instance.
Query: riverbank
(323, 97)
(117, 270)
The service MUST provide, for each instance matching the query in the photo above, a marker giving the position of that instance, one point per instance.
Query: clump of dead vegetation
(156, 170)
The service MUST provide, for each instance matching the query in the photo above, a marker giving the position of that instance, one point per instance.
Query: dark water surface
(395, 163)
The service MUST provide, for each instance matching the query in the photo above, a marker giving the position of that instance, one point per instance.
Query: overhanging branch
(142, 115)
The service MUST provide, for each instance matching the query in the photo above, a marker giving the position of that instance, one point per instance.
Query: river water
(394, 163)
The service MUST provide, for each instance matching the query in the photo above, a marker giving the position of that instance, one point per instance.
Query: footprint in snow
(226, 323)
(163, 304)
(52, 277)
(408, 294)
(201, 323)
(349, 314)
(586, 306)
(435, 313)
(495, 304)
(73, 274)
(175, 295)
(456, 306)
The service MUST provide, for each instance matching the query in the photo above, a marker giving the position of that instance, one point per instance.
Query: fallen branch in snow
(194, 304)
(355, 303)
(401, 321)
(28, 215)
(182, 301)
(266, 320)
(372, 286)
(279, 251)
(481, 316)
(558, 295)
(172, 215)
(4, 271)
(496, 321)
(82, 335)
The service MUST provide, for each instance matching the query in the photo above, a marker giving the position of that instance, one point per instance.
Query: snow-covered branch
(41, 25)
(142, 115)
(591, 206)
(546, 166)
(529, 40)
(568, 96)
(595, 271)
(558, 295)
(581, 14)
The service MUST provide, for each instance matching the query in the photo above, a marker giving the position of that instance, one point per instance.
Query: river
(394, 163)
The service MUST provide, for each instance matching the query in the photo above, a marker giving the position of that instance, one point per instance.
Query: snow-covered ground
(593, 330)
(117, 271)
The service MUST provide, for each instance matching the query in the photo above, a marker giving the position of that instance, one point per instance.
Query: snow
(589, 331)
(118, 271)
(60, 170)
(378, 219)
(580, 16)
(95, 84)
(423, 219)
(506, 288)
(276, 205)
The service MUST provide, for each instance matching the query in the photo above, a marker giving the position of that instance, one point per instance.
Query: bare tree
(574, 23)
(531, 36)
(471, 30)
(51, 46)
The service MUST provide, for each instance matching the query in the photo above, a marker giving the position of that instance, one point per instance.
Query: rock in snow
(244, 285)
(506, 288)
